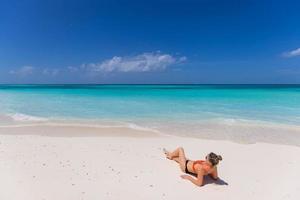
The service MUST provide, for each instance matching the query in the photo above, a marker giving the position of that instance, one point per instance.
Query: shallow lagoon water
(213, 111)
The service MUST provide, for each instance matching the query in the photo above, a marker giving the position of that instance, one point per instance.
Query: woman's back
(203, 165)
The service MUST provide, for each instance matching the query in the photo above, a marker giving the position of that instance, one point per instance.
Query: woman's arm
(214, 174)
(197, 181)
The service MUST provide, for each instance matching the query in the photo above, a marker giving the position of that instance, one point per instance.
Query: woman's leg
(176, 159)
(178, 155)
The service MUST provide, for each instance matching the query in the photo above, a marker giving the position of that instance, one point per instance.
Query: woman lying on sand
(198, 168)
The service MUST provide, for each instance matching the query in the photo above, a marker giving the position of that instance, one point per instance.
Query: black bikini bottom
(186, 169)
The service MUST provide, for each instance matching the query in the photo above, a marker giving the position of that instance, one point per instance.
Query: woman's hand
(184, 176)
(198, 181)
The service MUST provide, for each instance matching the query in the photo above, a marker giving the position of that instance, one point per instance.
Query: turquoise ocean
(246, 113)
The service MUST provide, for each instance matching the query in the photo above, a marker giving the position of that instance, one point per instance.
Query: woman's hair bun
(220, 157)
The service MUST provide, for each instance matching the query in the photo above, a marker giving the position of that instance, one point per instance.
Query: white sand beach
(61, 163)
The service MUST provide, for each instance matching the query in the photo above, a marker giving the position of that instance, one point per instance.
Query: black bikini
(186, 169)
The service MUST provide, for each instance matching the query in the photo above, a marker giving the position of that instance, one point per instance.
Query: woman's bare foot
(167, 153)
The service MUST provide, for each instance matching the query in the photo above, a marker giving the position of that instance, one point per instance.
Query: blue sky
(166, 41)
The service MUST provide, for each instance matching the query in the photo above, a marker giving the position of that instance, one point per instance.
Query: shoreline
(81, 131)
(80, 163)
(240, 131)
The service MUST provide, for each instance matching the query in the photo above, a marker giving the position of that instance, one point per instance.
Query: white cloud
(29, 70)
(146, 62)
(23, 71)
(182, 59)
(292, 53)
(72, 69)
(140, 63)
(51, 72)
(289, 71)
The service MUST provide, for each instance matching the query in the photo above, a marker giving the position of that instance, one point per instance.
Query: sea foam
(26, 118)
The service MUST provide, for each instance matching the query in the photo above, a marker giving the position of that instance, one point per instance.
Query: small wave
(61, 123)
(141, 128)
(228, 121)
(26, 118)
(222, 120)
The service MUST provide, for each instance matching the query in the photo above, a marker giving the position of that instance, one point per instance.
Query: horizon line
(149, 83)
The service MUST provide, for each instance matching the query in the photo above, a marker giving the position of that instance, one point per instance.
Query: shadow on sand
(209, 180)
